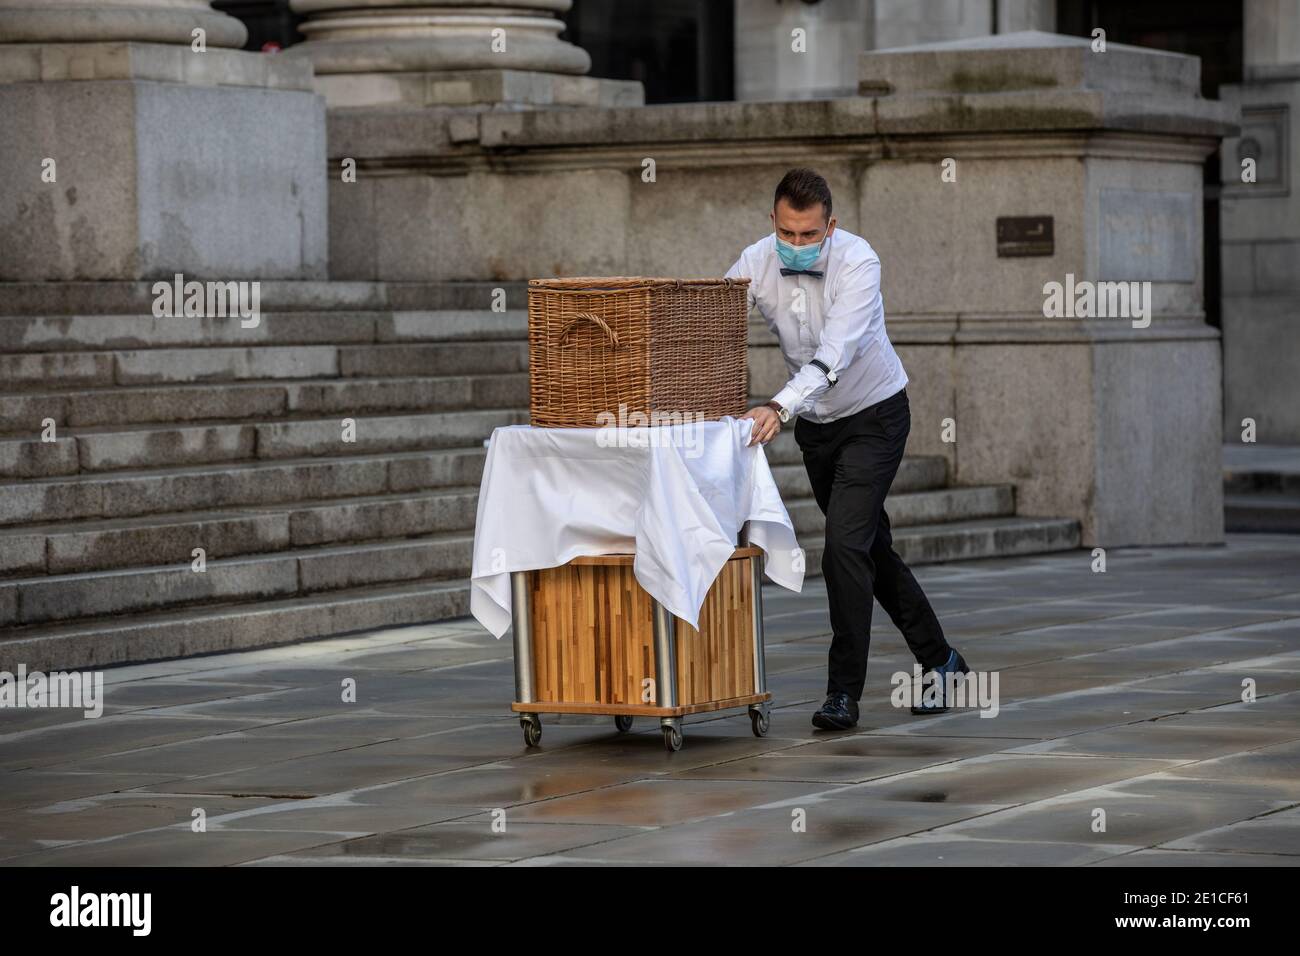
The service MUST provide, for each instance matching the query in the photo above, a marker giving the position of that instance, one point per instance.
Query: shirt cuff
(788, 399)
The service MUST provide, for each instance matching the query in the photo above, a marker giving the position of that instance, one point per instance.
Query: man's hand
(766, 424)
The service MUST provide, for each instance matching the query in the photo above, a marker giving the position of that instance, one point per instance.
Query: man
(818, 288)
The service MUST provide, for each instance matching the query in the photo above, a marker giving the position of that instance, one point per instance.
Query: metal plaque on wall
(1025, 236)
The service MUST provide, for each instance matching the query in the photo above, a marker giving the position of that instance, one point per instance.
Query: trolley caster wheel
(672, 738)
(623, 722)
(760, 722)
(532, 729)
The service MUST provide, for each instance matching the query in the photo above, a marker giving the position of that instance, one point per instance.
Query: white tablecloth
(676, 495)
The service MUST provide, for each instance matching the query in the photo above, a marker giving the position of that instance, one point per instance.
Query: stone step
(76, 546)
(759, 334)
(784, 450)
(158, 635)
(231, 627)
(25, 412)
(1274, 480)
(768, 373)
(1261, 488)
(918, 507)
(210, 487)
(277, 295)
(29, 371)
(451, 358)
(1001, 537)
(42, 599)
(1262, 512)
(922, 473)
(160, 446)
(81, 333)
(87, 545)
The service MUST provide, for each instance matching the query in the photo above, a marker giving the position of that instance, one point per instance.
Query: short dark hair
(801, 187)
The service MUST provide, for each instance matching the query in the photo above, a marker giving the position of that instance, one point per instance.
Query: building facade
(184, 482)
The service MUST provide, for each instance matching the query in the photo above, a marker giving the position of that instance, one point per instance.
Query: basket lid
(595, 283)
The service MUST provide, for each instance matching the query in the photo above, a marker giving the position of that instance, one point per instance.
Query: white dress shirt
(838, 319)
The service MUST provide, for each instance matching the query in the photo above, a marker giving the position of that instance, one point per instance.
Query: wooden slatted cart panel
(717, 661)
(593, 635)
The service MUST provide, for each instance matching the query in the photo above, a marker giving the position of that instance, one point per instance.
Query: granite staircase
(1261, 488)
(174, 434)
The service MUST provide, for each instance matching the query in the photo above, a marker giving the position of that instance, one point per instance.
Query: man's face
(801, 227)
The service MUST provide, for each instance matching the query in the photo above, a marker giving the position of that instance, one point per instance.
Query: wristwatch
(781, 413)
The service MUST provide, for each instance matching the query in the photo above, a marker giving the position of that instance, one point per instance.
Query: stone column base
(476, 88)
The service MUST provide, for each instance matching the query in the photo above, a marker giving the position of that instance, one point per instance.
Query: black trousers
(851, 463)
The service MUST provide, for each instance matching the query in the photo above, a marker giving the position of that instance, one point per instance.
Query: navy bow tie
(802, 272)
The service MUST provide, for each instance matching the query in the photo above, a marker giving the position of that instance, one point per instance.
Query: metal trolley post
(760, 713)
(521, 620)
(665, 639)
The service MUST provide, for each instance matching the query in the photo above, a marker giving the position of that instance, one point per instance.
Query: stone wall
(1098, 419)
(1261, 232)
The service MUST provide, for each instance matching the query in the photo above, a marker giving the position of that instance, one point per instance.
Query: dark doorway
(682, 50)
(268, 21)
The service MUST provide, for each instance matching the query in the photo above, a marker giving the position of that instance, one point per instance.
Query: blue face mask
(797, 257)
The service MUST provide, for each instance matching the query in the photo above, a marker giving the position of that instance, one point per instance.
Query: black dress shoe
(840, 712)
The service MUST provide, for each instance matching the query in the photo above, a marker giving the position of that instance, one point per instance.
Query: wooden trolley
(590, 640)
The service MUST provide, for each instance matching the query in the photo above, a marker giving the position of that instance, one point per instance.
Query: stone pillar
(899, 23)
(138, 143)
(106, 21)
(1260, 231)
(1047, 292)
(773, 64)
(835, 32)
(1018, 15)
(450, 53)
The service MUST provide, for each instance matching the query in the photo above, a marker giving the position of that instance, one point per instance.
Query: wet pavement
(1120, 738)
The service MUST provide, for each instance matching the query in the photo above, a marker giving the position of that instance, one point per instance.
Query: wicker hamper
(650, 345)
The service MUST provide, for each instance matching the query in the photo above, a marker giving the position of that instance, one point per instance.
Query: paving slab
(1270, 833)
(1119, 691)
(473, 838)
(61, 744)
(36, 829)
(177, 846)
(1182, 858)
(1132, 816)
(936, 850)
(769, 836)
